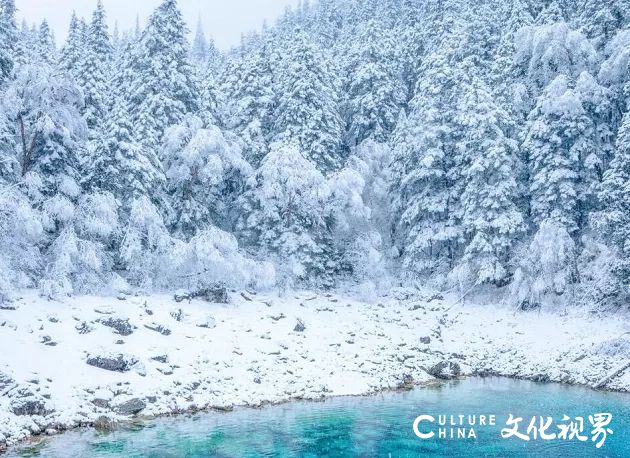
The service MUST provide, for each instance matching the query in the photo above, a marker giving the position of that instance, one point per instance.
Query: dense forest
(477, 145)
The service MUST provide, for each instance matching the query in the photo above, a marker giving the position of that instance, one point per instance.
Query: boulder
(425, 340)
(114, 363)
(104, 423)
(208, 322)
(26, 403)
(83, 328)
(445, 370)
(119, 325)
(131, 407)
(101, 403)
(406, 383)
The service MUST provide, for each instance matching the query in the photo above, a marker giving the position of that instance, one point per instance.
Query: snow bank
(93, 361)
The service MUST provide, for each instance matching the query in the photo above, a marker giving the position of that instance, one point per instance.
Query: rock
(165, 370)
(160, 359)
(101, 403)
(209, 323)
(299, 327)
(158, 328)
(104, 423)
(407, 383)
(114, 363)
(216, 293)
(8, 307)
(51, 432)
(27, 403)
(445, 370)
(47, 340)
(527, 306)
(105, 310)
(130, 407)
(83, 328)
(120, 326)
(425, 340)
(542, 378)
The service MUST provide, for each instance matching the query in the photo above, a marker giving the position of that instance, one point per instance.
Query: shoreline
(345, 356)
(35, 440)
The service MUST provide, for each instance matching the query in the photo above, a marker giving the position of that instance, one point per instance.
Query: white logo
(538, 427)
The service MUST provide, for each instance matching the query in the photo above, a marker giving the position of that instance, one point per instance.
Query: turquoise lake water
(377, 426)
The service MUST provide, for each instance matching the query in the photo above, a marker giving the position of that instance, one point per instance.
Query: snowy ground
(177, 357)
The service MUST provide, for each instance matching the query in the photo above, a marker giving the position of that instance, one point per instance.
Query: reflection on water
(372, 426)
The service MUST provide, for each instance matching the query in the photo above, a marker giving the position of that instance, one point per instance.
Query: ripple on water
(366, 426)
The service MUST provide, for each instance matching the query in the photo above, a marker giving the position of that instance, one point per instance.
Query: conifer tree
(72, 51)
(122, 166)
(374, 94)
(249, 102)
(491, 217)
(45, 50)
(199, 51)
(162, 88)
(615, 198)
(427, 186)
(95, 68)
(307, 109)
(284, 214)
(8, 37)
(553, 138)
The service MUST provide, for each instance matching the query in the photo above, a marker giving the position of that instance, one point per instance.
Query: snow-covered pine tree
(553, 137)
(508, 81)
(72, 51)
(93, 74)
(614, 219)
(205, 175)
(597, 148)
(162, 89)
(373, 92)
(550, 14)
(8, 37)
(44, 47)
(543, 52)
(492, 220)
(307, 110)
(427, 187)
(249, 102)
(123, 166)
(283, 215)
(199, 50)
(601, 19)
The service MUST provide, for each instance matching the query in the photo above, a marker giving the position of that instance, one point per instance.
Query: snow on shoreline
(93, 360)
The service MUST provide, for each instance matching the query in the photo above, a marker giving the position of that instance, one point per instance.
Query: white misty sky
(224, 20)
